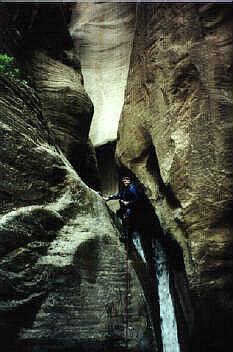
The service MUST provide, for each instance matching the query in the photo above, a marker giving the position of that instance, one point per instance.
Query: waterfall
(167, 312)
(137, 244)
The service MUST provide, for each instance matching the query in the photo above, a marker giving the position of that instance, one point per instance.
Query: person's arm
(113, 196)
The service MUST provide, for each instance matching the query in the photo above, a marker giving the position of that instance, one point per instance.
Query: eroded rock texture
(37, 35)
(64, 282)
(63, 270)
(103, 35)
(66, 105)
(55, 72)
(175, 135)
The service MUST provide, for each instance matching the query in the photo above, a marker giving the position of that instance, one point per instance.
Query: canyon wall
(103, 35)
(175, 135)
(64, 281)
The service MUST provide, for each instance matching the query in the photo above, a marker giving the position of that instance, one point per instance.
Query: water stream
(137, 244)
(167, 312)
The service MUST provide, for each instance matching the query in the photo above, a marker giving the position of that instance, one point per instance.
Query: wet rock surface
(175, 135)
(62, 268)
(64, 282)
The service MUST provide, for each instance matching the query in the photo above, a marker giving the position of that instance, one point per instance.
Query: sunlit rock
(103, 36)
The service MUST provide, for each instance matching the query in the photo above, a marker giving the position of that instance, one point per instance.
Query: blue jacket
(129, 194)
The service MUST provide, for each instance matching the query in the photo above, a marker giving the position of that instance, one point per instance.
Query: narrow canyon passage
(95, 91)
(162, 278)
(103, 34)
(167, 311)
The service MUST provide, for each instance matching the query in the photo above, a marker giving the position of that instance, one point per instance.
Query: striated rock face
(64, 282)
(38, 36)
(55, 73)
(66, 105)
(103, 35)
(62, 270)
(175, 135)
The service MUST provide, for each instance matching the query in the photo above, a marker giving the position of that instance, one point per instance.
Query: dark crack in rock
(63, 270)
(175, 135)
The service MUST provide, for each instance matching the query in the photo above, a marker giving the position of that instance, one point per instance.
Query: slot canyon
(100, 90)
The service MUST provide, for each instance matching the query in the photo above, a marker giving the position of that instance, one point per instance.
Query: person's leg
(122, 220)
(119, 215)
(128, 223)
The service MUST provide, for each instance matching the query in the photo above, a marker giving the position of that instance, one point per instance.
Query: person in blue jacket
(128, 198)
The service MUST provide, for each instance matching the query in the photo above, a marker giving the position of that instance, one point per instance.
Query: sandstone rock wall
(63, 270)
(37, 34)
(175, 135)
(54, 70)
(66, 105)
(103, 35)
(64, 283)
